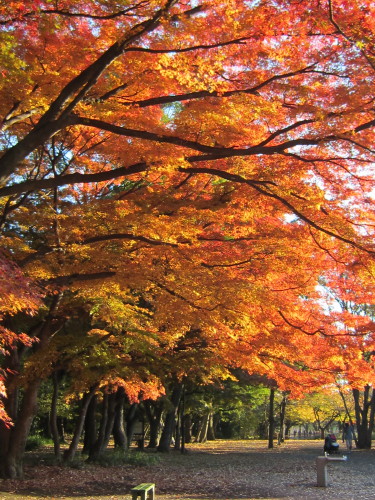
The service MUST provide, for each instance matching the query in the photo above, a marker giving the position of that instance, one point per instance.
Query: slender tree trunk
(170, 421)
(282, 419)
(271, 418)
(99, 445)
(61, 428)
(154, 412)
(349, 416)
(53, 417)
(113, 400)
(71, 451)
(182, 425)
(203, 428)
(177, 431)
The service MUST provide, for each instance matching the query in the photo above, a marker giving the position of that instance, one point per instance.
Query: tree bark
(154, 412)
(211, 428)
(12, 366)
(90, 427)
(271, 418)
(14, 439)
(119, 434)
(71, 451)
(13, 463)
(170, 421)
(282, 419)
(131, 419)
(105, 428)
(188, 428)
(203, 428)
(53, 417)
(365, 415)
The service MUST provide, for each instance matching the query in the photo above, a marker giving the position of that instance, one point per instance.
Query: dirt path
(220, 470)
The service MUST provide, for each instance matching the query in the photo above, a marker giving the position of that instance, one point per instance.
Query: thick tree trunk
(271, 418)
(154, 412)
(131, 419)
(170, 421)
(365, 414)
(15, 439)
(71, 451)
(13, 460)
(119, 434)
(90, 427)
(188, 428)
(211, 428)
(12, 366)
(105, 422)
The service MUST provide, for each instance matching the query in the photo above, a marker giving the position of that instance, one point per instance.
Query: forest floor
(218, 470)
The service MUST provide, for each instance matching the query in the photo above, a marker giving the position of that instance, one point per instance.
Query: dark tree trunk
(44, 425)
(131, 419)
(11, 365)
(53, 417)
(71, 451)
(203, 427)
(282, 419)
(119, 434)
(106, 426)
(211, 429)
(349, 416)
(13, 461)
(113, 401)
(90, 427)
(365, 414)
(61, 428)
(182, 424)
(154, 412)
(188, 428)
(14, 439)
(170, 421)
(271, 418)
(179, 443)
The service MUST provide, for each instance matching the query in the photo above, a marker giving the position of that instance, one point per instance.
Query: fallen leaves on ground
(218, 470)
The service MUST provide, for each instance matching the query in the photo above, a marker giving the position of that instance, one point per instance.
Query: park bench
(139, 434)
(143, 490)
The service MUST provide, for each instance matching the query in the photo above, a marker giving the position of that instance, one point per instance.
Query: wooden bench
(143, 490)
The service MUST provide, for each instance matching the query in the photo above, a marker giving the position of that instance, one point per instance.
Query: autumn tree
(206, 163)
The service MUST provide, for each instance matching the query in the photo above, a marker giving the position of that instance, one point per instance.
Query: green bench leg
(147, 491)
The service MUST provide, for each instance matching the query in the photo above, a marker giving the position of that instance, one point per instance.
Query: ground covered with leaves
(219, 470)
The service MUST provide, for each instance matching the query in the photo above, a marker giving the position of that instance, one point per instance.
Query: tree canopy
(190, 186)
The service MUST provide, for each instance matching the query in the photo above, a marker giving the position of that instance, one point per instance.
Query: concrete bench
(144, 490)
